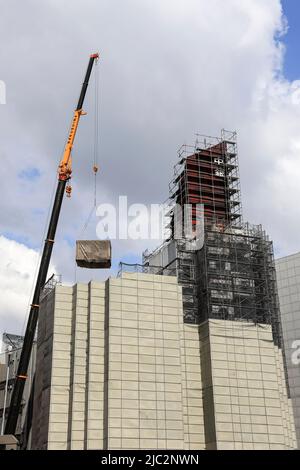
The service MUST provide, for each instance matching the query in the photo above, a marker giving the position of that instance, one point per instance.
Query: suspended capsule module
(93, 254)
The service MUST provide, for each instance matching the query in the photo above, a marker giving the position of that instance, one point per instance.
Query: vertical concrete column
(286, 405)
(209, 417)
(283, 397)
(172, 327)
(192, 389)
(77, 418)
(144, 377)
(288, 281)
(95, 369)
(247, 387)
(150, 359)
(123, 383)
(41, 412)
(61, 362)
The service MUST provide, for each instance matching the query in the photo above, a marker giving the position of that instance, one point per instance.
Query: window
(212, 264)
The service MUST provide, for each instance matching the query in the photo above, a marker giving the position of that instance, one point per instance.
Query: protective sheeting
(93, 254)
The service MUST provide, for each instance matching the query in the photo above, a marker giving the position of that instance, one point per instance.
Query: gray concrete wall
(288, 281)
(145, 399)
(68, 410)
(118, 369)
(245, 394)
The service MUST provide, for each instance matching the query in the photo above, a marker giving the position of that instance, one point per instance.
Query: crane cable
(96, 133)
(95, 159)
(95, 149)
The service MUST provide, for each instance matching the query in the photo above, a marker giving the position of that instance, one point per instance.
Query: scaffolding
(236, 277)
(178, 261)
(207, 173)
(138, 268)
(185, 268)
(50, 284)
(232, 276)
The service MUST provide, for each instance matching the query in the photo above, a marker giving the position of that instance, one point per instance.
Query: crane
(64, 175)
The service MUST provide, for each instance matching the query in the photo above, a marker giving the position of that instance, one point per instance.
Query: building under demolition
(232, 277)
(183, 353)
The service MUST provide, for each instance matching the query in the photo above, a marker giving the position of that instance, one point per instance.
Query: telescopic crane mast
(64, 175)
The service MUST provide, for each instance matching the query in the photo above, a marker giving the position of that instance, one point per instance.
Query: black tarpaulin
(93, 254)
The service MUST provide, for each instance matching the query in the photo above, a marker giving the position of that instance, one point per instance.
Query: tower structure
(208, 173)
(232, 274)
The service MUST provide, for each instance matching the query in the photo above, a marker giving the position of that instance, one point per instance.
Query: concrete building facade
(244, 391)
(117, 368)
(288, 280)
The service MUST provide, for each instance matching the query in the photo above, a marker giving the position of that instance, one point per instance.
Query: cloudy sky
(168, 70)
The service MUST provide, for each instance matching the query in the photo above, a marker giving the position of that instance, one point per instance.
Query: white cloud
(17, 274)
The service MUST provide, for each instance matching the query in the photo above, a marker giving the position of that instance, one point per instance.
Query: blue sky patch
(29, 174)
(70, 240)
(37, 211)
(291, 9)
(19, 239)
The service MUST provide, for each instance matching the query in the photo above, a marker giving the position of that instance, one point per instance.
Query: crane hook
(68, 190)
